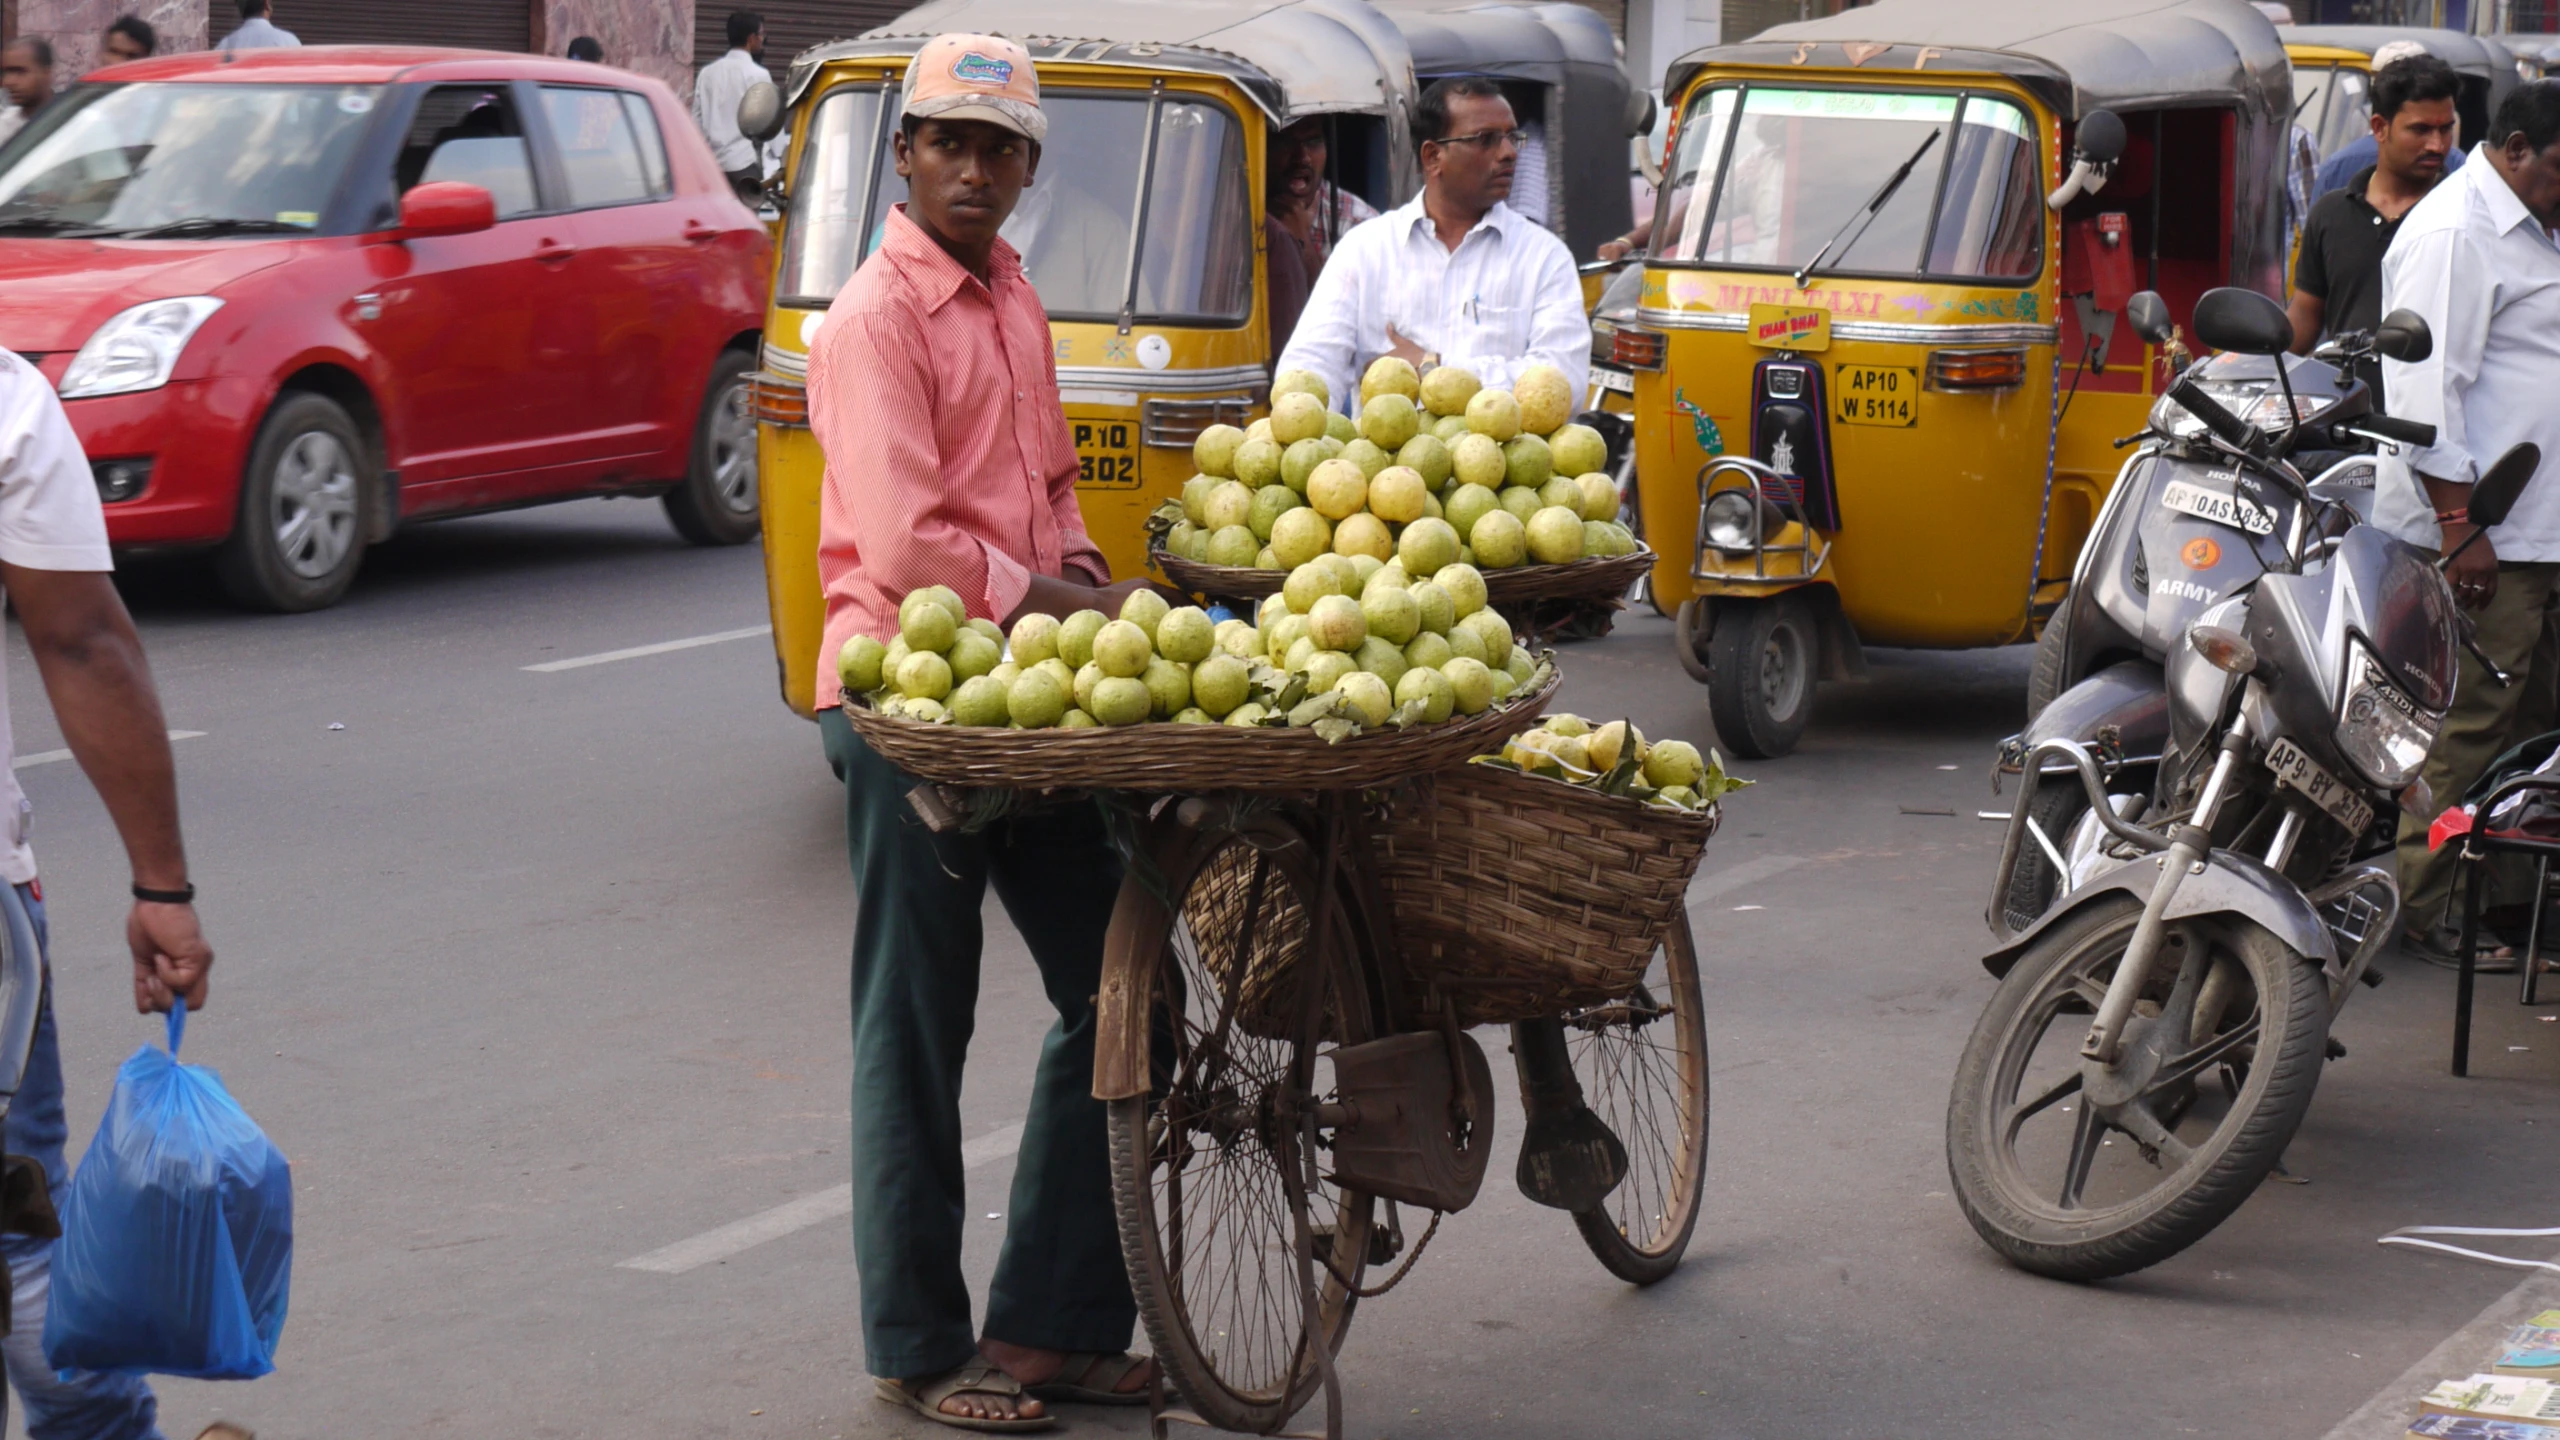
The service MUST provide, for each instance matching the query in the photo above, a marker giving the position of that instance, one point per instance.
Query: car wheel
(717, 503)
(299, 535)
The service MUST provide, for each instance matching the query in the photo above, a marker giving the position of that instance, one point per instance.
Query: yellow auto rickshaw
(1879, 366)
(1143, 233)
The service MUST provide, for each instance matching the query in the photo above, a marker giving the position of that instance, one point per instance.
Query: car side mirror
(2403, 336)
(2243, 321)
(760, 111)
(445, 207)
(2149, 316)
(2496, 493)
(2100, 138)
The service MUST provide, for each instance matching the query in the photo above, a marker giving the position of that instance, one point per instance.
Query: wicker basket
(1174, 758)
(1518, 896)
(1600, 579)
(1218, 582)
(1505, 590)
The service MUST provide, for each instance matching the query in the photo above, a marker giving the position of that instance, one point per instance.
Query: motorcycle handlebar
(2404, 432)
(2230, 427)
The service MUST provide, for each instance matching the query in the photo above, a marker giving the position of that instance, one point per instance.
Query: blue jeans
(86, 1406)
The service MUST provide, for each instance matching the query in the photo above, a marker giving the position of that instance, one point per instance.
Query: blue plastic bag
(176, 1253)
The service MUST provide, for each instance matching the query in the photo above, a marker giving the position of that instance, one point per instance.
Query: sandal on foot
(1092, 1377)
(2442, 947)
(925, 1397)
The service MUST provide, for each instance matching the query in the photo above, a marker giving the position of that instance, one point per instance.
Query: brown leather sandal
(1091, 1377)
(926, 1394)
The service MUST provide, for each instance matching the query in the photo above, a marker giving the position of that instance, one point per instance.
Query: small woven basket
(1518, 896)
(1161, 759)
(1599, 579)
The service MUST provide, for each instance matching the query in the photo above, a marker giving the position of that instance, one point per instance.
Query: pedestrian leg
(2479, 727)
(87, 1406)
(915, 994)
(1060, 1282)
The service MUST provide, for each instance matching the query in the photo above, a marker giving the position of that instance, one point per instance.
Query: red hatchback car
(293, 298)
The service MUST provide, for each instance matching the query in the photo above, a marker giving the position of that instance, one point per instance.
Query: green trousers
(1059, 1281)
(2520, 629)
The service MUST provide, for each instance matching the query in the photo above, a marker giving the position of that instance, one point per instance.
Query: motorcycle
(2159, 1026)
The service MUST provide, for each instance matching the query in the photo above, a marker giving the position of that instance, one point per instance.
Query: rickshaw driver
(1454, 276)
(933, 395)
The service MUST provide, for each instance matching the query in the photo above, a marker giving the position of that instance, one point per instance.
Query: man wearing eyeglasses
(1453, 277)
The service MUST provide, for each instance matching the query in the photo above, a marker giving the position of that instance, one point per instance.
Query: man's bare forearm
(100, 685)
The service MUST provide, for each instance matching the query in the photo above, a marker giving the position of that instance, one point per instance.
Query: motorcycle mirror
(2496, 493)
(2403, 336)
(2149, 315)
(1639, 113)
(760, 112)
(2244, 321)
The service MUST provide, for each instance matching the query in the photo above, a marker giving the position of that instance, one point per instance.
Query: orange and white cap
(975, 77)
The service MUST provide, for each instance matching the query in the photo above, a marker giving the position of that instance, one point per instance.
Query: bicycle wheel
(1642, 1064)
(1208, 1166)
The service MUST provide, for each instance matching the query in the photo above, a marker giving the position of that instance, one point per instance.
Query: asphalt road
(533, 973)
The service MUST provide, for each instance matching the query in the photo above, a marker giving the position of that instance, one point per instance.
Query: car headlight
(137, 349)
(1732, 522)
(2381, 730)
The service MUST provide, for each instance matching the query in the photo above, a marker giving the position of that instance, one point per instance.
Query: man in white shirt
(258, 30)
(56, 572)
(1453, 277)
(716, 93)
(26, 82)
(2477, 259)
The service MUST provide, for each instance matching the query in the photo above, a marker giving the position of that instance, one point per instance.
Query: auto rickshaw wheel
(1762, 660)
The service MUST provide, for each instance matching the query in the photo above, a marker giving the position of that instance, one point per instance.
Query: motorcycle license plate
(2298, 771)
(1609, 379)
(2217, 506)
(1106, 455)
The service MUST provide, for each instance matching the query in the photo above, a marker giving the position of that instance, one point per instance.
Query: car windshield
(1801, 166)
(210, 159)
(1072, 225)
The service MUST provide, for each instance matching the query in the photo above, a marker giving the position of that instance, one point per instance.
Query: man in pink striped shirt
(933, 392)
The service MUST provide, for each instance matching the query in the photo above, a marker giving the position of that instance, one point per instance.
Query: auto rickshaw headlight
(1733, 522)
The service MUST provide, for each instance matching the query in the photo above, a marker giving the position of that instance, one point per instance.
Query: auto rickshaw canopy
(2083, 56)
(1294, 58)
(1568, 52)
(2488, 69)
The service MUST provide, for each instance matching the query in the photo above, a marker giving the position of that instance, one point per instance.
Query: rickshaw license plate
(1877, 394)
(2297, 771)
(1609, 379)
(2216, 506)
(1106, 454)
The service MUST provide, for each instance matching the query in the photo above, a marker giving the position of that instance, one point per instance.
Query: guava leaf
(1293, 692)
(1621, 775)
(1409, 714)
(1497, 762)
(1333, 729)
(1320, 707)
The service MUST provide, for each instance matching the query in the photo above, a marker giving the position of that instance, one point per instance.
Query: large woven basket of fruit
(1336, 693)
(1437, 470)
(1542, 879)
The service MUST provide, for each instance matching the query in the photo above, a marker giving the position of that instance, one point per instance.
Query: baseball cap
(2397, 50)
(975, 77)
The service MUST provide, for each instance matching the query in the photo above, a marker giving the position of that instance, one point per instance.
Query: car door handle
(699, 233)
(552, 252)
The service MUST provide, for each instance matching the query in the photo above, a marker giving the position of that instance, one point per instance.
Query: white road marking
(635, 652)
(1732, 878)
(794, 1216)
(48, 757)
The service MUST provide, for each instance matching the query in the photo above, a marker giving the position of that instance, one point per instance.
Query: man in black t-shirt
(2337, 280)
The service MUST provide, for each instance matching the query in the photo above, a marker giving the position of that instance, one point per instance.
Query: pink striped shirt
(935, 400)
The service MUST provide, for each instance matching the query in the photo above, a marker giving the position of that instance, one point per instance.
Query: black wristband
(166, 897)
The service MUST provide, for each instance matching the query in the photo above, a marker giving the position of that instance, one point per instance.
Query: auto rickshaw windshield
(2331, 103)
(1804, 163)
(1073, 223)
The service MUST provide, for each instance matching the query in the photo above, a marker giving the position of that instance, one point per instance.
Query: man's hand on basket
(1062, 598)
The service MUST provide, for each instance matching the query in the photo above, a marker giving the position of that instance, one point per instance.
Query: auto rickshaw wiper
(1865, 215)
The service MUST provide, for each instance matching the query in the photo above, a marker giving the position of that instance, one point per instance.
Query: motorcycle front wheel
(2082, 1172)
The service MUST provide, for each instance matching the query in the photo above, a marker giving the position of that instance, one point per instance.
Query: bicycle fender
(2231, 884)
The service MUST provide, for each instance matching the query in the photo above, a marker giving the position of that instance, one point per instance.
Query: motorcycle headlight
(2258, 400)
(1732, 522)
(2381, 730)
(137, 349)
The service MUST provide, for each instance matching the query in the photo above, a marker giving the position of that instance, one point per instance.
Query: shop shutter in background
(790, 26)
(472, 24)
